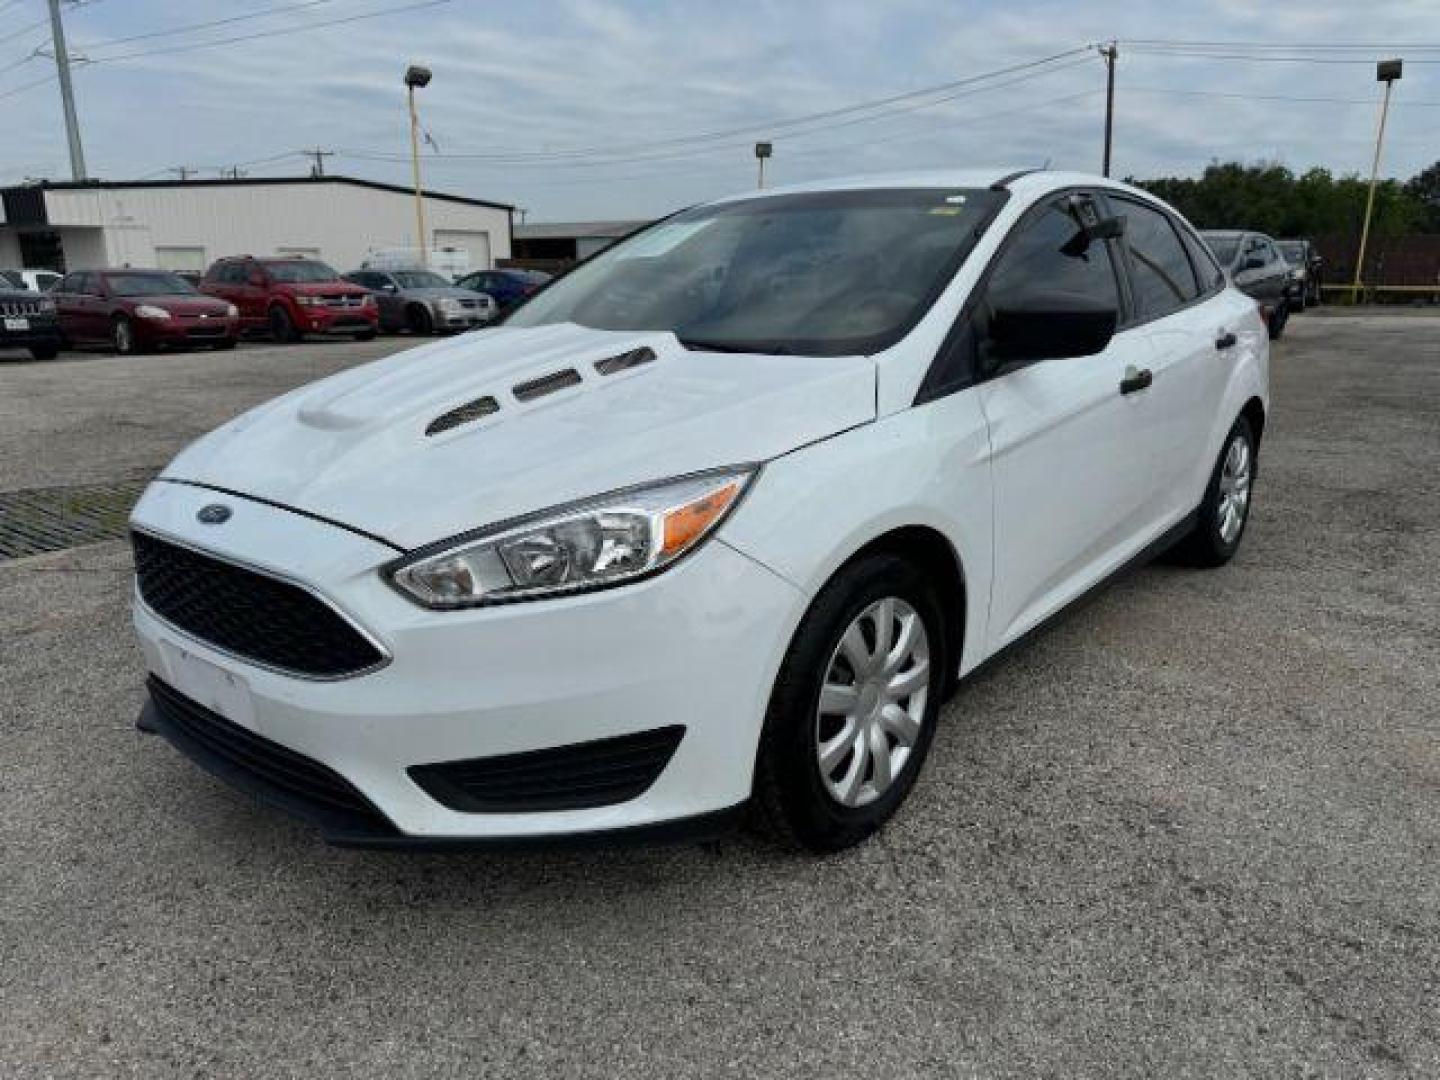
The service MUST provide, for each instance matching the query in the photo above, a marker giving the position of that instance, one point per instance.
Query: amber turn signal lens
(686, 524)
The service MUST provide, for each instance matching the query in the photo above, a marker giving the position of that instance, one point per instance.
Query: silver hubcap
(872, 704)
(122, 336)
(1234, 489)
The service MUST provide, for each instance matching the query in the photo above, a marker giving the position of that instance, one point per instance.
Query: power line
(1257, 58)
(279, 9)
(657, 150)
(1295, 46)
(540, 157)
(1370, 103)
(196, 46)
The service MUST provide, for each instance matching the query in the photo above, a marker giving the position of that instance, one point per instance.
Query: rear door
(67, 307)
(1069, 455)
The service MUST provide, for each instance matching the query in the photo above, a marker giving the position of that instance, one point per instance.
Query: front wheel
(365, 335)
(122, 336)
(1226, 506)
(44, 352)
(1278, 318)
(853, 711)
(282, 327)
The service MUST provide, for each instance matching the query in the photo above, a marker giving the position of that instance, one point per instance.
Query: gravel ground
(1190, 831)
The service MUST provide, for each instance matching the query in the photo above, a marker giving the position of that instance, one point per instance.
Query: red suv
(292, 297)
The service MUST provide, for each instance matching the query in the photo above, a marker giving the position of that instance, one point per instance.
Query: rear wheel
(365, 335)
(420, 320)
(225, 343)
(853, 711)
(44, 352)
(282, 327)
(1226, 506)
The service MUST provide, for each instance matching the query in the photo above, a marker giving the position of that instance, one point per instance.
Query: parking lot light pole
(1388, 72)
(417, 77)
(763, 150)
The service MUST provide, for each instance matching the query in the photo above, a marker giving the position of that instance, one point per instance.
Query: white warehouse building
(186, 225)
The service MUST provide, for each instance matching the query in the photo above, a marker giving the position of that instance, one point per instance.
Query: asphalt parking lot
(1192, 830)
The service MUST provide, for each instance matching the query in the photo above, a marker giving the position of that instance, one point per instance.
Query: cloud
(609, 75)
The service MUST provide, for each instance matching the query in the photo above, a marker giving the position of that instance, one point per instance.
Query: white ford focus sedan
(713, 523)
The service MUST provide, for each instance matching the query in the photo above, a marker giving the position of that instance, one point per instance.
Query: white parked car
(714, 522)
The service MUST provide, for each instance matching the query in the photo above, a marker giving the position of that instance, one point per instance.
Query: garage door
(475, 243)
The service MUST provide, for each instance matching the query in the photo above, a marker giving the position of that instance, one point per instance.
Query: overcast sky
(579, 109)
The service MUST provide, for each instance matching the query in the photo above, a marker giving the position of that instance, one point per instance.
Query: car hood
(353, 448)
(442, 292)
(181, 304)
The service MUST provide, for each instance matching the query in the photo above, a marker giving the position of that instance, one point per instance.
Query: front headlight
(150, 311)
(448, 305)
(587, 545)
(310, 301)
(232, 312)
(47, 306)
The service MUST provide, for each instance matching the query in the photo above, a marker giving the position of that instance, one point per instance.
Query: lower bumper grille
(273, 773)
(575, 777)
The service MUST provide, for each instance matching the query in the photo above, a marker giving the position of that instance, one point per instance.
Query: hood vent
(464, 414)
(625, 361)
(546, 384)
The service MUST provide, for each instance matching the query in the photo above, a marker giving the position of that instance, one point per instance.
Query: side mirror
(1048, 326)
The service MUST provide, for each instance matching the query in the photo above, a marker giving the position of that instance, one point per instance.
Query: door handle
(1225, 341)
(1135, 380)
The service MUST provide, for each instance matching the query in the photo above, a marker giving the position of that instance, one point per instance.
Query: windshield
(1293, 250)
(420, 279)
(300, 273)
(1224, 247)
(818, 273)
(148, 285)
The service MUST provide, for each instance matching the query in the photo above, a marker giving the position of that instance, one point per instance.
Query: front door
(1071, 469)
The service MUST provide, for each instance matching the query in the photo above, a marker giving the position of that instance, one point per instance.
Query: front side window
(148, 285)
(300, 272)
(817, 273)
(1050, 254)
(1160, 272)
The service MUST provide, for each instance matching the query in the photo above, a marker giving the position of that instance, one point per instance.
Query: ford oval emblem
(214, 514)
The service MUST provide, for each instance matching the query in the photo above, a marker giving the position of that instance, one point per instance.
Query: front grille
(344, 301)
(575, 777)
(250, 614)
(19, 309)
(205, 331)
(263, 763)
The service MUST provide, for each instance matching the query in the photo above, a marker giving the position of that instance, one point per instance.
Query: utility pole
(318, 169)
(67, 94)
(763, 151)
(1111, 52)
(184, 172)
(417, 78)
(1388, 72)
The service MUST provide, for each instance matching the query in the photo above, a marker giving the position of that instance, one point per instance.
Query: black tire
(365, 335)
(419, 320)
(282, 327)
(122, 336)
(791, 797)
(44, 352)
(1205, 546)
(1278, 318)
(224, 343)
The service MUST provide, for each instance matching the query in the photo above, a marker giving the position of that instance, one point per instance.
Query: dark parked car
(1258, 269)
(423, 302)
(292, 297)
(27, 321)
(1305, 261)
(139, 310)
(507, 287)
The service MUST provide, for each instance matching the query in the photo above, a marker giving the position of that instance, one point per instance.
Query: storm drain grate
(52, 519)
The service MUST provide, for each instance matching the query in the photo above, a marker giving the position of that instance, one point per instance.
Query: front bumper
(186, 331)
(697, 646)
(328, 320)
(38, 332)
